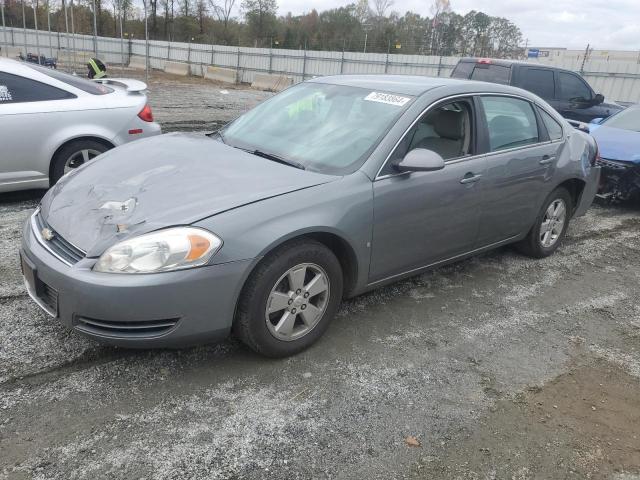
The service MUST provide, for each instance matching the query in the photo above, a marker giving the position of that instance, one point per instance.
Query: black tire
(532, 245)
(250, 324)
(72, 148)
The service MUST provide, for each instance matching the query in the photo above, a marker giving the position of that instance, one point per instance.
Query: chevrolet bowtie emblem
(46, 233)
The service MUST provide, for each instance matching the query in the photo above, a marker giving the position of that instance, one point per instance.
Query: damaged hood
(172, 179)
(617, 143)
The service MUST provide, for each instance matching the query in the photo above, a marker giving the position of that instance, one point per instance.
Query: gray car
(334, 187)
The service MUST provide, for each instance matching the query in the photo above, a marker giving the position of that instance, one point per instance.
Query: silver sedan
(52, 122)
(333, 187)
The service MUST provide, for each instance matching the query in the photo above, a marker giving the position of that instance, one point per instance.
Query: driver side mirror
(420, 160)
(598, 99)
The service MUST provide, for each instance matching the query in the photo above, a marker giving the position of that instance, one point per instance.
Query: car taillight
(484, 61)
(146, 114)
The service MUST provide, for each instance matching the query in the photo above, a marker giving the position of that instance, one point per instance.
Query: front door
(421, 218)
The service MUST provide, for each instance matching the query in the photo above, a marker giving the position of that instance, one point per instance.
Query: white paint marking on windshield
(387, 98)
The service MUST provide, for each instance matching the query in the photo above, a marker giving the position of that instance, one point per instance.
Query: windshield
(77, 82)
(628, 119)
(326, 128)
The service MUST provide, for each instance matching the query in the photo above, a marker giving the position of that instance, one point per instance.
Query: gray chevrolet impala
(334, 187)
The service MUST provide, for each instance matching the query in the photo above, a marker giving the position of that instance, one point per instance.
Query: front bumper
(169, 309)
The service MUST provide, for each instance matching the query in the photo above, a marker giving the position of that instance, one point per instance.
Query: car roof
(414, 85)
(508, 63)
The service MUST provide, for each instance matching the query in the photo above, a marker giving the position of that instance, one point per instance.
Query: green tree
(260, 16)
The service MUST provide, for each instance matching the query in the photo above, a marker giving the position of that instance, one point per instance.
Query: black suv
(564, 90)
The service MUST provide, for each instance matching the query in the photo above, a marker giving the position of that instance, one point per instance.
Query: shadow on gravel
(21, 196)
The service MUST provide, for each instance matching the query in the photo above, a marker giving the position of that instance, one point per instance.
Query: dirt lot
(497, 367)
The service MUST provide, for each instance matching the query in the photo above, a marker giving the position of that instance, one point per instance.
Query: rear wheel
(73, 155)
(290, 299)
(545, 236)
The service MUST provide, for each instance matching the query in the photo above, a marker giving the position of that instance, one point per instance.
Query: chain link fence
(618, 78)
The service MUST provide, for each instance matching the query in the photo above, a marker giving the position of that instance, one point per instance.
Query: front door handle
(470, 178)
(547, 159)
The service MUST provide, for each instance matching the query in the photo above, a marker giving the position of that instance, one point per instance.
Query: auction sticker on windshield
(387, 98)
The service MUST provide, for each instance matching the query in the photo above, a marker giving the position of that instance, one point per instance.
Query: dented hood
(173, 179)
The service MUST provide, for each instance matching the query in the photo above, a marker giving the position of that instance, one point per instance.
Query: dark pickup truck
(564, 90)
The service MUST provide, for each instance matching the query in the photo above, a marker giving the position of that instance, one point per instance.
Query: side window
(553, 127)
(491, 73)
(538, 81)
(511, 122)
(573, 86)
(446, 130)
(16, 89)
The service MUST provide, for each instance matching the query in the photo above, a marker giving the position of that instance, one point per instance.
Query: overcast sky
(605, 24)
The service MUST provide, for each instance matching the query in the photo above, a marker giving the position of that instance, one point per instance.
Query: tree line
(367, 25)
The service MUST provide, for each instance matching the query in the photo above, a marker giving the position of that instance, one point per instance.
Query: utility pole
(121, 36)
(35, 23)
(584, 59)
(146, 43)
(66, 24)
(73, 37)
(95, 31)
(24, 30)
(49, 26)
(4, 27)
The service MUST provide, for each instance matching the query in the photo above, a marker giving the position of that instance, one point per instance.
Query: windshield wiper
(276, 158)
(218, 134)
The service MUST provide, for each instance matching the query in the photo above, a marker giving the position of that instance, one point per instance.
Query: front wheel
(545, 236)
(290, 299)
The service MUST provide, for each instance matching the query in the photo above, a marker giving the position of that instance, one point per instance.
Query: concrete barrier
(137, 62)
(176, 68)
(11, 52)
(219, 74)
(272, 83)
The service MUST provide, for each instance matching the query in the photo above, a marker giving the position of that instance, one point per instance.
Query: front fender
(343, 208)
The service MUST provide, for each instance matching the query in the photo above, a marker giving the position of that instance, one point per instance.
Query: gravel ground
(495, 367)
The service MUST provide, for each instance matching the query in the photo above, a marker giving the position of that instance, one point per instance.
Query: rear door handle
(470, 178)
(547, 159)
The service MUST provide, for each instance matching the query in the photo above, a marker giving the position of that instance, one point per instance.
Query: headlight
(165, 250)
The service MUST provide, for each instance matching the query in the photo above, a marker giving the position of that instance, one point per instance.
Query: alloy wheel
(553, 223)
(297, 302)
(80, 158)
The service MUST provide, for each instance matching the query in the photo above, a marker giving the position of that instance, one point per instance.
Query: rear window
(491, 73)
(77, 82)
(463, 70)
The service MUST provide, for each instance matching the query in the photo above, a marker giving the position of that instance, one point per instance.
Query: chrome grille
(57, 245)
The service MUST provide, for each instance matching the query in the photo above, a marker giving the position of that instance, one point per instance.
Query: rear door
(25, 123)
(537, 80)
(520, 162)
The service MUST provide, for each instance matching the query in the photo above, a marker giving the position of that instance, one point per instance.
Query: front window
(573, 87)
(325, 128)
(628, 119)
